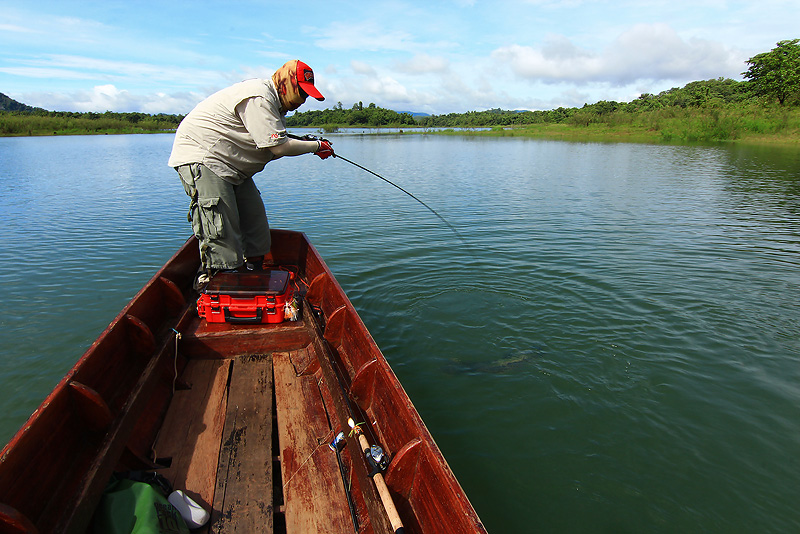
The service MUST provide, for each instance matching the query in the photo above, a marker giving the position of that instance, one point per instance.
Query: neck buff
(285, 80)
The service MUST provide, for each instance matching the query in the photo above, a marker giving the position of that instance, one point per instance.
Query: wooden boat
(238, 416)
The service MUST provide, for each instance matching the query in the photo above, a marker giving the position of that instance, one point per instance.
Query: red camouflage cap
(305, 79)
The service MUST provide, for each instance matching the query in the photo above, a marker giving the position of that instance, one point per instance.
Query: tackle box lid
(248, 283)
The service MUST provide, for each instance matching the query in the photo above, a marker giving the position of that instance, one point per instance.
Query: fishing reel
(338, 444)
(377, 460)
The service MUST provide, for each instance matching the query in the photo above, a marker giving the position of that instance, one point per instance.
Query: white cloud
(132, 74)
(108, 97)
(644, 52)
(656, 51)
(13, 28)
(423, 64)
(282, 57)
(384, 89)
(165, 103)
(103, 97)
(46, 73)
(359, 67)
(534, 64)
(556, 4)
(363, 36)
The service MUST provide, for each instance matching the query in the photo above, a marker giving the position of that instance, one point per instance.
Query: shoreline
(600, 134)
(552, 132)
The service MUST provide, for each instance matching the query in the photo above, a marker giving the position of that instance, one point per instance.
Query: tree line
(358, 115)
(718, 92)
(696, 94)
(705, 93)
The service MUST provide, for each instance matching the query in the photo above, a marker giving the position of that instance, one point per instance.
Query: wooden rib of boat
(238, 416)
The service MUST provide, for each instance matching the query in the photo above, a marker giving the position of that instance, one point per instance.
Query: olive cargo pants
(229, 220)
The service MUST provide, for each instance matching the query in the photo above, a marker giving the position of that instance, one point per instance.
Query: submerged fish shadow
(512, 362)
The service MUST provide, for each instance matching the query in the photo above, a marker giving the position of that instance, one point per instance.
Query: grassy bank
(752, 124)
(14, 123)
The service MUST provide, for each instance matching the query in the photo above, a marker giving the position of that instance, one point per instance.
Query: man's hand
(325, 149)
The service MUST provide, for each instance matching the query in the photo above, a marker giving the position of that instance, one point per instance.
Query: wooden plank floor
(222, 457)
(312, 484)
(243, 500)
(192, 430)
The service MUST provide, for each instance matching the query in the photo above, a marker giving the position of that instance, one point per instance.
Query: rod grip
(383, 489)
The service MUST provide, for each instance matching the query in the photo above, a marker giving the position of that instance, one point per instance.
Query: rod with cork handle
(375, 458)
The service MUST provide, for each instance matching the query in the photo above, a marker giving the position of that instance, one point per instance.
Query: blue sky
(434, 56)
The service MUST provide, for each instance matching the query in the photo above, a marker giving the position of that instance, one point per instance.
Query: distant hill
(9, 104)
(415, 114)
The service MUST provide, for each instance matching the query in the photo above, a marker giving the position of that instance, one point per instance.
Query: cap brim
(311, 90)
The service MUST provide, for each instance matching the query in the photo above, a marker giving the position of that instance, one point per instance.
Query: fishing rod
(378, 462)
(335, 155)
(374, 456)
(336, 446)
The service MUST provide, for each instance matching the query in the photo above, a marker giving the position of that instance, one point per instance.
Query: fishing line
(335, 155)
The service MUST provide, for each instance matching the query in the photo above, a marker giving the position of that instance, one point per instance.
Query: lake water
(615, 349)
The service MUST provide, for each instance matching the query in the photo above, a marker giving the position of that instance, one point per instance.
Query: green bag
(132, 507)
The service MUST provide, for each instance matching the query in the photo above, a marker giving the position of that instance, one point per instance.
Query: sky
(435, 57)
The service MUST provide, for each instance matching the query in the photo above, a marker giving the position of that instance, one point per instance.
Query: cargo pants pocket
(206, 218)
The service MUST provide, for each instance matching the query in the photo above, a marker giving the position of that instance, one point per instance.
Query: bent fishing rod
(335, 155)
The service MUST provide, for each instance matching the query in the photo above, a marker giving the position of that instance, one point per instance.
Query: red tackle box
(253, 297)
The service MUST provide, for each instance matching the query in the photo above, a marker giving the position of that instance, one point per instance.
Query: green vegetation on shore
(764, 108)
(370, 116)
(750, 123)
(41, 122)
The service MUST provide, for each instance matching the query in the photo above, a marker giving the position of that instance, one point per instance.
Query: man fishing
(221, 144)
